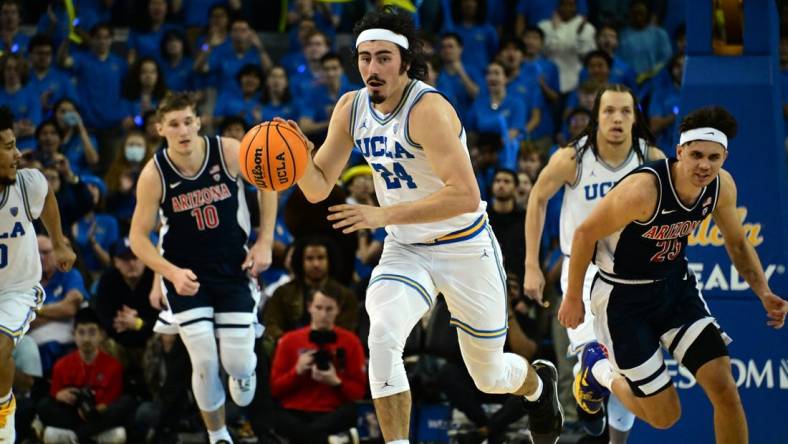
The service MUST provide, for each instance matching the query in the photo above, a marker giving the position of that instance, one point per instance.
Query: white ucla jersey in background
(20, 204)
(401, 170)
(593, 181)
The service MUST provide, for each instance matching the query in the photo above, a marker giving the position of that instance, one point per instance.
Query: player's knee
(484, 380)
(382, 338)
(237, 353)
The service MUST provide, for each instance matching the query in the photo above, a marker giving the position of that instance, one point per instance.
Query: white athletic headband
(382, 34)
(707, 133)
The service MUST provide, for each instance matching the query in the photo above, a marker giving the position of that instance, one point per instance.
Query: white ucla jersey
(594, 178)
(401, 171)
(20, 204)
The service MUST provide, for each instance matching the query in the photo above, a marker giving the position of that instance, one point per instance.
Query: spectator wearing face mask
(78, 144)
(122, 177)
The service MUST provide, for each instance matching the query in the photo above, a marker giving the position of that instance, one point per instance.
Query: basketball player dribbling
(24, 196)
(616, 141)
(208, 272)
(438, 236)
(645, 298)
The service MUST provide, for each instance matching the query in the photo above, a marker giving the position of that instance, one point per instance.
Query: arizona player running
(644, 297)
(616, 141)
(206, 268)
(24, 196)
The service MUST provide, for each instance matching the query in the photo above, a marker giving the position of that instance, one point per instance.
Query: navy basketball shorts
(226, 298)
(636, 320)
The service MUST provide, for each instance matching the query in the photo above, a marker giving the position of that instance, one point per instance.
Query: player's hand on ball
(776, 309)
(533, 285)
(292, 124)
(571, 313)
(64, 256)
(351, 218)
(185, 282)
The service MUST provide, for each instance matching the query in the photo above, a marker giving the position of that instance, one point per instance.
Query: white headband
(382, 34)
(708, 133)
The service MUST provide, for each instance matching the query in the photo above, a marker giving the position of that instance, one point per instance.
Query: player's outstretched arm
(259, 257)
(743, 254)
(323, 169)
(561, 169)
(634, 198)
(434, 125)
(50, 217)
(149, 192)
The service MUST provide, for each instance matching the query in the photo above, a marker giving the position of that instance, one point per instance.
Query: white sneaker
(56, 435)
(112, 436)
(242, 390)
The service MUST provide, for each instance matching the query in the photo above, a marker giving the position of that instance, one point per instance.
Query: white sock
(399, 441)
(603, 373)
(538, 392)
(7, 397)
(215, 436)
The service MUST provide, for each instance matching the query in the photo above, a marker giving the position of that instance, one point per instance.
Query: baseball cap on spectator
(122, 249)
(89, 179)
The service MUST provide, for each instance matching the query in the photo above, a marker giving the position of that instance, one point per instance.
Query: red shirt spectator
(104, 376)
(303, 392)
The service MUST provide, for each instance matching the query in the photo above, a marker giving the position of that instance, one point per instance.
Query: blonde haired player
(24, 196)
(439, 239)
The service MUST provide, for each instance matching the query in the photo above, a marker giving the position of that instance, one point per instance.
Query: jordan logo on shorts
(484, 254)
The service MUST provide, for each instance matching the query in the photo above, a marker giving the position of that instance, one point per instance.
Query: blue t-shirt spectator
(451, 85)
(74, 151)
(225, 63)
(56, 290)
(364, 271)
(148, 44)
(530, 72)
(530, 94)
(484, 118)
(99, 85)
(645, 49)
(181, 76)
(195, 12)
(620, 72)
(55, 82)
(106, 233)
(664, 102)
(287, 111)
(319, 101)
(230, 103)
(480, 43)
(24, 104)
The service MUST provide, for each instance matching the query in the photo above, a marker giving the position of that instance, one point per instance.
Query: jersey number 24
(395, 177)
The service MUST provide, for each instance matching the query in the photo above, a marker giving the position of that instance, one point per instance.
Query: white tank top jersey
(20, 204)
(593, 180)
(401, 171)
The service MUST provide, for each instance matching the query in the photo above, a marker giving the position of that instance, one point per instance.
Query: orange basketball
(273, 156)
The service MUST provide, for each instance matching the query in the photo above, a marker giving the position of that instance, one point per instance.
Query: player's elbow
(469, 199)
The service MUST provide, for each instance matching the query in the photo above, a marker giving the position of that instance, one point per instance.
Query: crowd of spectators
(83, 79)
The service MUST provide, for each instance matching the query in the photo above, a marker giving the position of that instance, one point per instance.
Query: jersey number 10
(206, 217)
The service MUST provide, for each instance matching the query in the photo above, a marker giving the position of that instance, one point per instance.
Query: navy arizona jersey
(656, 249)
(204, 217)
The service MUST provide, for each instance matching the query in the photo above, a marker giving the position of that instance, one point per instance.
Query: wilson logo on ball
(273, 156)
